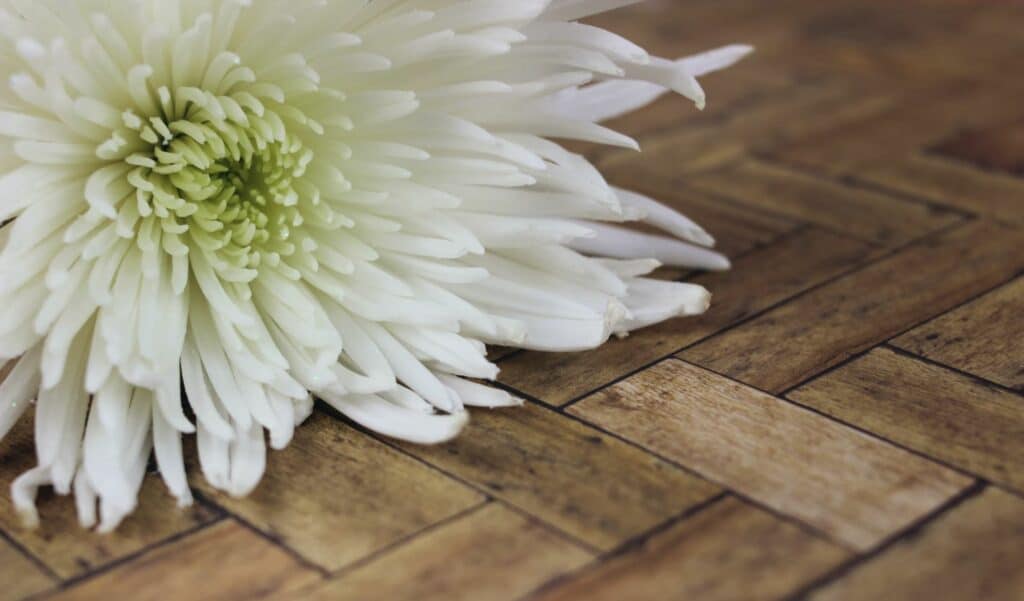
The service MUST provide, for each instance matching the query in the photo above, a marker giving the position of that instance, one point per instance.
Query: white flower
(264, 199)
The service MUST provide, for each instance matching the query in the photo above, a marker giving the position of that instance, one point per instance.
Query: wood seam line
(782, 397)
(921, 523)
(390, 547)
(639, 540)
(737, 202)
(855, 182)
(967, 219)
(849, 181)
(488, 496)
(565, 536)
(886, 254)
(933, 153)
(801, 227)
(29, 555)
(302, 561)
(777, 240)
(626, 546)
(974, 377)
(120, 561)
(887, 342)
(806, 528)
(832, 418)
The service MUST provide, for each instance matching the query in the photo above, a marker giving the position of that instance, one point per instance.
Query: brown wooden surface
(65, 548)
(593, 487)
(850, 486)
(957, 419)
(224, 561)
(307, 500)
(973, 551)
(697, 557)
(984, 337)
(461, 561)
(847, 422)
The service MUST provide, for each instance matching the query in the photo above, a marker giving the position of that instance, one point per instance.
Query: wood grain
(858, 212)
(833, 165)
(63, 545)
(729, 551)
(669, 160)
(337, 495)
(918, 119)
(21, 578)
(223, 561)
(973, 552)
(984, 337)
(950, 183)
(853, 487)
(777, 271)
(470, 568)
(789, 344)
(999, 148)
(591, 486)
(937, 412)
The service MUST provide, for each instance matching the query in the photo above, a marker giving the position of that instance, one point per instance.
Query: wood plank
(596, 488)
(919, 120)
(915, 41)
(853, 487)
(858, 212)
(746, 85)
(21, 577)
(950, 183)
(998, 148)
(940, 413)
(493, 554)
(770, 77)
(337, 495)
(984, 337)
(836, 321)
(728, 551)
(973, 552)
(60, 542)
(853, 101)
(669, 160)
(223, 561)
(776, 271)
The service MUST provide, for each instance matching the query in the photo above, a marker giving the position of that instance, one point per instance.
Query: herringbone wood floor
(846, 422)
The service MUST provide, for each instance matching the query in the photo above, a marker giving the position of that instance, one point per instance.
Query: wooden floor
(846, 423)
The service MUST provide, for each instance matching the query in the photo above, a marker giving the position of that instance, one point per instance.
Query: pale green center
(233, 186)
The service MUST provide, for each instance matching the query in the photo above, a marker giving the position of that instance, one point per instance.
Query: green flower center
(228, 182)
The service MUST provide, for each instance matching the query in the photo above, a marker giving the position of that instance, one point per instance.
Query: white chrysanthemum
(262, 199)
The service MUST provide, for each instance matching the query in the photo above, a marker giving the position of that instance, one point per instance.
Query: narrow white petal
(391, 420)
(617, 242)
(478, 395)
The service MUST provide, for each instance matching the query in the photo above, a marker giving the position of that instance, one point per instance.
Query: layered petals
(214, 211)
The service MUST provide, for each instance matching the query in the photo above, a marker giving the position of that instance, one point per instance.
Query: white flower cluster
(214, 209)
